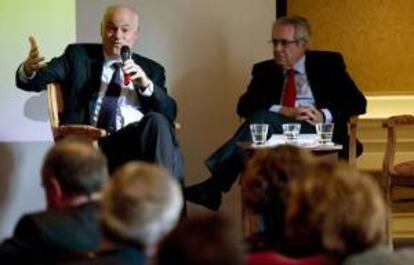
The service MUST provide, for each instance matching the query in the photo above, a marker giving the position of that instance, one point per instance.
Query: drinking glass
(259, 133)
(291, 131)
(324, 133)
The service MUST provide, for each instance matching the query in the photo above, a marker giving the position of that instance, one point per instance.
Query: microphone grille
(125, 53)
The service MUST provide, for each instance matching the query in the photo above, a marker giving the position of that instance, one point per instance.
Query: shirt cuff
(22, 75)
(275, 108)
(148, 90)
(327, 115)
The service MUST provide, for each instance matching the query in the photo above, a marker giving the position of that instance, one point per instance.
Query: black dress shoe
(204, 194)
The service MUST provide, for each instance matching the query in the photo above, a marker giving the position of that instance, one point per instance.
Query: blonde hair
(337, 205)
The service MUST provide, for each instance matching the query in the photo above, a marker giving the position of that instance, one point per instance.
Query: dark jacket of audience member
(140, 205)
(72, 174)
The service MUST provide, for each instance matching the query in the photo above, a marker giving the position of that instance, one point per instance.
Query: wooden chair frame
(391, 178)
(56, 107)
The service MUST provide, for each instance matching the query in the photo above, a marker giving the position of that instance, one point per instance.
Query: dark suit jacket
(79, 70)
(53, 233)
(127, 255)
(331, 85)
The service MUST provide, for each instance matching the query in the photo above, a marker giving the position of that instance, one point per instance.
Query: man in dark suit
(73, 173)
(323, 92)
(138, 115)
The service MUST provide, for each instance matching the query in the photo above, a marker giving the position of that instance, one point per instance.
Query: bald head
(119, 26)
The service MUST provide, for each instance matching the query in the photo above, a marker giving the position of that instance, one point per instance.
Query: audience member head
(267, 175)
(73, 172)
(338, 206)
(290, 38)
(140, 204)
(202, 240)
(119, 27)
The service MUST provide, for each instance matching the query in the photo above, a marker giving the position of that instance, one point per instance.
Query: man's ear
(54, 193)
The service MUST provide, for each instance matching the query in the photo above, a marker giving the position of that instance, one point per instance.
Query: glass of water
(259, 133)
(291, 132)
(324, 132)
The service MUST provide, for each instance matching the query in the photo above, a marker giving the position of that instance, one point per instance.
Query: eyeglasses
(283, 42)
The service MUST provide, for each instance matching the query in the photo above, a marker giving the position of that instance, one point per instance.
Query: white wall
(208, 48)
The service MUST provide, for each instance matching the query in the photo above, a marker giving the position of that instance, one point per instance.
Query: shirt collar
(108, 61)
(299, 66)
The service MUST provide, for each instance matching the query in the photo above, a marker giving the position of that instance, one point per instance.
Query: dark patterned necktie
(289, 94)
(107, 114)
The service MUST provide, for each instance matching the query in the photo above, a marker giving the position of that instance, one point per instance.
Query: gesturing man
(138, 115)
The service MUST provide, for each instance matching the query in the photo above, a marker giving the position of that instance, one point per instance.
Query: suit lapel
(95, 74)
(311, 68)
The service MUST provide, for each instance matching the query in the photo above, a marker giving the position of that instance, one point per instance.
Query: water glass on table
(259, 133)
(324, 133)
(291, 132)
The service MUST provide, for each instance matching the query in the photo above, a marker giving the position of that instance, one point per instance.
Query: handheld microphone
(125, 55)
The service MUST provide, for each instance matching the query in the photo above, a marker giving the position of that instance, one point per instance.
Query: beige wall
(375, 37)
(207, 48)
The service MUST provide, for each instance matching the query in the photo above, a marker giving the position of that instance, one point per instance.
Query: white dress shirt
(128, 110)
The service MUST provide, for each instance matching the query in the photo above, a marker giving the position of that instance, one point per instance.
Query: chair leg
(388, 225)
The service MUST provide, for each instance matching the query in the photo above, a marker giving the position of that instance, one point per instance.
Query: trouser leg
(152, 139)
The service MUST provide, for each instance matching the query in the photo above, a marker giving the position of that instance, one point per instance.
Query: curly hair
(268, 173)
(338, 206)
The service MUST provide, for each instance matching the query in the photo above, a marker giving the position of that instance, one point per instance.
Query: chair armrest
(398, 121)
(88, 131)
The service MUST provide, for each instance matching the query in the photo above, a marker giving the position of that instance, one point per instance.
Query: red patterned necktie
(289, 95)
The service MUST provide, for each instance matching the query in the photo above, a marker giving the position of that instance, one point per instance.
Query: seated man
(138, 115)
(73, 173)
(298, 85)
(133, 222)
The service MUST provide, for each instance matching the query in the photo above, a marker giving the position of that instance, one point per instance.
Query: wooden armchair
(56, 107)
(401, 174)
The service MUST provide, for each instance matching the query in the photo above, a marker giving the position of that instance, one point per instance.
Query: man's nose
(118, 33)
(278, 47)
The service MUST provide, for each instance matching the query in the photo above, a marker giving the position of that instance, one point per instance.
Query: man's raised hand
(34, 61)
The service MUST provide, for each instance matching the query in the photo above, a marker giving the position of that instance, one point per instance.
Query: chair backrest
(391, 124)
(55, 105)
(391, 172)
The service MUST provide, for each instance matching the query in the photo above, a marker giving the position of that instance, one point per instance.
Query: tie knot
(291, 71)
(117, 66)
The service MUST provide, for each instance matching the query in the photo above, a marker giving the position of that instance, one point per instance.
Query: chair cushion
(403, 173)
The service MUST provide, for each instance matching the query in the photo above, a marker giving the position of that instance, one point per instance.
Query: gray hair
(141, 203)
(79, 167)
(302, 27)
